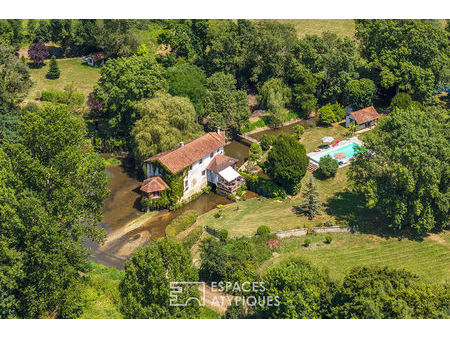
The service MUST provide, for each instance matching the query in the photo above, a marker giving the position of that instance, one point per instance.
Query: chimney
(181, 144)
(218, 131)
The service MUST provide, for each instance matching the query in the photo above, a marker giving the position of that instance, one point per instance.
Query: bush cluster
(263, 186)
(328, 166)
(62, 97)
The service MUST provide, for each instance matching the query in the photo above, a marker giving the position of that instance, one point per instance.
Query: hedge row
(181, 223)
(263, 186)
(62, 97)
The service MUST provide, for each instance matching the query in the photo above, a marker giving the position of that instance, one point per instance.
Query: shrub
(181, 223)
(328, 166)
(53, 71)
(331, 113)
(38, 52)
(266, 141)
(307, 242)
(328, 239)
(219, 211)
(113, 160)
(223, 235)
(299, 130)
(401, 101)
(69, 98)
(263, 186)
(263, 230)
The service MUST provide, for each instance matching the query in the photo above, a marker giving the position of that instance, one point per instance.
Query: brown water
(238, 151)
(289, 129)
(122, 207)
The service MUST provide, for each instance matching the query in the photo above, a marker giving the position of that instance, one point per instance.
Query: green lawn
(429, 258)
(312, 137)
(72, 70)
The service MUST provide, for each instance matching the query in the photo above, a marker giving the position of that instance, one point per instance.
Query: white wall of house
(196, 179)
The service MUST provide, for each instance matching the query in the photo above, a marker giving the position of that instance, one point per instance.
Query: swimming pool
(348, 149)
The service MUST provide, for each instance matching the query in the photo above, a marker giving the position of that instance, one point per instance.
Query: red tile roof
(183, 156)
(220, 162)
(365, 115)
(153, 184)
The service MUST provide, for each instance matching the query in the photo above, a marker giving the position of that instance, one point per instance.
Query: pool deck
(313, 155)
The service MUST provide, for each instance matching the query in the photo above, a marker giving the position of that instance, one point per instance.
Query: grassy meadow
(429, 258)
(341, 27)
(73, 71)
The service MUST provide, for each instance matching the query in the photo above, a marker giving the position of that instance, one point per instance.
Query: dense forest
(167, 81)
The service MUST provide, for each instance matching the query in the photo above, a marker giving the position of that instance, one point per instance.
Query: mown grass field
(82, 76)
(429, 258)
(341, 27)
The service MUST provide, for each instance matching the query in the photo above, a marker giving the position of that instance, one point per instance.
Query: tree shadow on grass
(349, 208)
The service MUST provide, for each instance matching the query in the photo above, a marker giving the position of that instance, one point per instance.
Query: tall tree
(311, 204)
(165, 121)
(274, 95)
(405, 173)
(333, 61)
(287, 162)
(360, 93)
(226, 106)
(53, 71)
(189, 81)
(124, 82)
(52, 191)
(14, 78)
(409, 55)
(145, 288)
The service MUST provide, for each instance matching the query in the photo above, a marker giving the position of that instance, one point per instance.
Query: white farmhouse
(199, 162)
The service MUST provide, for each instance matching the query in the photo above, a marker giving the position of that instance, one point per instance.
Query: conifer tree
(311, 204)
(53, 72)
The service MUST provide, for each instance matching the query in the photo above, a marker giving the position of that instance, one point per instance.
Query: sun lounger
(335, 143)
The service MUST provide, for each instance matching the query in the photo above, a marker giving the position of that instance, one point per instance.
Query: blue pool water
(348, 150)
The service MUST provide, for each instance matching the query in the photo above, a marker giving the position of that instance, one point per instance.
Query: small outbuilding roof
(220, 162)
(153, 184)
(365, 115)
(229, 174)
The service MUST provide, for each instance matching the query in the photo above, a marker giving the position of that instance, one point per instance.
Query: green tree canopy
(145, 288)
(274, 95)
(405, 172)
(331, 113)
(53, 72)
(360, 93)
(332, 60)
(165, 121)
(51, 193)
(226, 106)
(14, 78)
(189, 81)
(298, 286)
(373, 292)
(124, 82)
(409, 55)
(287, 162)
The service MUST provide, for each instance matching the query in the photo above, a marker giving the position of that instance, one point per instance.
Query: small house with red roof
(195, 164)
(363, 118)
